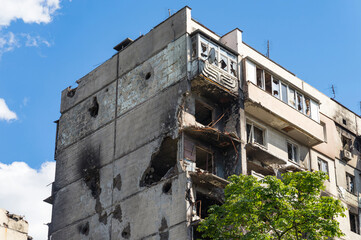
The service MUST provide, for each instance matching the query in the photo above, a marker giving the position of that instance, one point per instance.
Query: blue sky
(49, 44)
(319, 41)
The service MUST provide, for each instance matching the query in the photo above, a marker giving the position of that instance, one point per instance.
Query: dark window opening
(346, 143)
(162, 165)
(344, 121)
(292, 152)
(268, 82)
(204, 159)
(203, 113)
(307, 107)
(224, 63)
(259, 77)
(198, 235)
(276, 88)
(204, 49)
(299, 102)
(258, 135)
(354, 223)
(203, 203)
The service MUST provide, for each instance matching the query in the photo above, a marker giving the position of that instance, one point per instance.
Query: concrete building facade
(146, 141)
(13, 227)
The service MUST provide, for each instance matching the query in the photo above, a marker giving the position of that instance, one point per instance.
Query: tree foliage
(291, 208)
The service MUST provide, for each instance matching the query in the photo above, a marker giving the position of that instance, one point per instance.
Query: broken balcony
(282, 117)
(214, 68)
(209, 155)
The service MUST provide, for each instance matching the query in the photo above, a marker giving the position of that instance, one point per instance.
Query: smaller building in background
(13, 227)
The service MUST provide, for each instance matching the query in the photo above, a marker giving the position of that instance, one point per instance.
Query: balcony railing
(282, 117)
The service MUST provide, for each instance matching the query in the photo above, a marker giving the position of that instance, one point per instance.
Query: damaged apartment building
(13, 227)
(146, 141)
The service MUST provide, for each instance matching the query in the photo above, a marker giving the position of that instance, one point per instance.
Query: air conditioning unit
(346, 155)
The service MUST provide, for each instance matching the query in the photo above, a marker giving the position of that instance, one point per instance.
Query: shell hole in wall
(167, 188)
(148, 75)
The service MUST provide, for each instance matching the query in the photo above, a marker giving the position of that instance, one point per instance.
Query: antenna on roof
(267, 49)
(333, 91)
(169, 12)
(360, 108)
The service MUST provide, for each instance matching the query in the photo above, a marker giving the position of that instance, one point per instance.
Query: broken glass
(276, 88)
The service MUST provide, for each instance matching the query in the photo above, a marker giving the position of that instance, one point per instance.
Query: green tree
(291, 208)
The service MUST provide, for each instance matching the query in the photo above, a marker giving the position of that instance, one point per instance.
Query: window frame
(357, 222)
(348, 185)
(220, 53)
(319, 163)
(313, 113)
(297, 155)
(262, 128)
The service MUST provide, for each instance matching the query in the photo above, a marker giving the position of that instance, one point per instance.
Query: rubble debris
(162, 162)
(126, 232)
(14, 216)
(84, 228)
(117, 213)
(117, 182)
(93, 110)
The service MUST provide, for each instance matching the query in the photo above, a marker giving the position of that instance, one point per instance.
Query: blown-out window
(255, 134)
(292, 150)
(222, 58)
(280, 89)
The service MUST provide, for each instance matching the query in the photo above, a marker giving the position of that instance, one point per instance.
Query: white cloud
(30, 11)
(9, 41)
(34, 41)
(5, 112)
(25, 102)
(23, 190)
